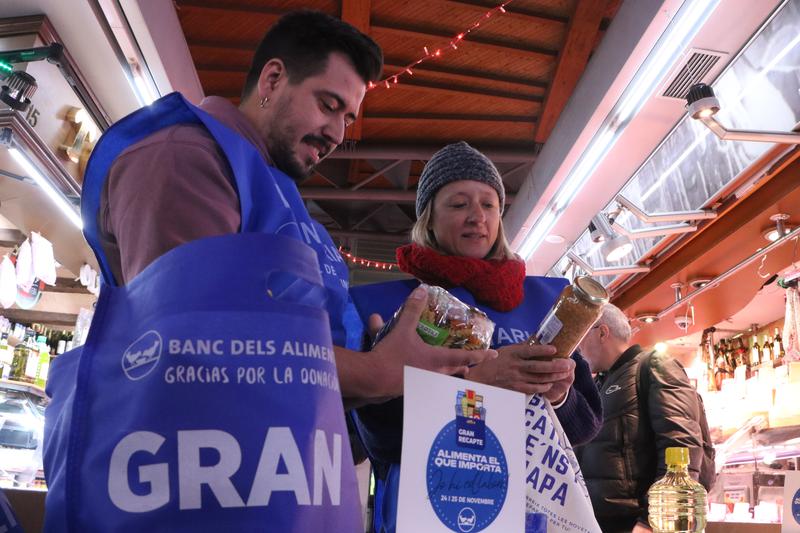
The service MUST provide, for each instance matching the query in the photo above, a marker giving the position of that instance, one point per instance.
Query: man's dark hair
(303, 40)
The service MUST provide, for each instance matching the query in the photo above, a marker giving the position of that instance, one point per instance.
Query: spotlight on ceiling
(701, 102)
(17, 89)
(647, 318)
(780, 229)
(615, 246)
(699, 283)
(595, 234)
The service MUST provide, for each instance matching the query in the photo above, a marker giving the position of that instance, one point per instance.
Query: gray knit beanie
(456, 162)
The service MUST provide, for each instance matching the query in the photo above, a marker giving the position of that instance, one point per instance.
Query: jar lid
(590, 290)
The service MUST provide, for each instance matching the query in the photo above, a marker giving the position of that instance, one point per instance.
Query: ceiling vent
(698, 66)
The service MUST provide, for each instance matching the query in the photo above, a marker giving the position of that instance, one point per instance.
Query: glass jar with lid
(577, 309)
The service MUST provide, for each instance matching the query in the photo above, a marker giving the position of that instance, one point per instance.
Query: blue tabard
(381, 426)
(206, 396)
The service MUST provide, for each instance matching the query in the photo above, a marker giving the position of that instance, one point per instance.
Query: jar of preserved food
(573, 315)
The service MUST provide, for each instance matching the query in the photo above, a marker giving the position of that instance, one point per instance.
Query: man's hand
(517, 369)
(641, 528)
(403, 346)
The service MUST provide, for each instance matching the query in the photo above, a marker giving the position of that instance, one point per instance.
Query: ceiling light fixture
(17, 89)
(688, 20)
(647, 318)
(595, 234)
(615, 246)
(699, 283)
(701, 101)
(780, 229)
(677, 288)
(702, 105)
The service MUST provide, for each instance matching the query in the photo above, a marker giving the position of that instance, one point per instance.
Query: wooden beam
(496, 45)
(40, 317)
(465, 75)
(468, 89)
(583, 28)
(224, 45)
(241, 7)
(67, 285)
(356, 13)
(514, 9)
(450, 117)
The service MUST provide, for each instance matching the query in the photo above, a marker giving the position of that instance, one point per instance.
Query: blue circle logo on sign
(796, 506)
(467, 483)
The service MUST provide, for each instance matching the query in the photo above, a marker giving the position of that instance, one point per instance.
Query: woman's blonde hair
(422, 234)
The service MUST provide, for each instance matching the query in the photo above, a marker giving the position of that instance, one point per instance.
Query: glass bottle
(778, 351)
(19, 361)
(677, 502)
(755, 352)
(766, 350)
(577, 309)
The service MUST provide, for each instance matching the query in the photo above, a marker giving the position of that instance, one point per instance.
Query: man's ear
(272, 75)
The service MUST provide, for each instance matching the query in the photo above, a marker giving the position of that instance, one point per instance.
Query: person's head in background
(607, 340)
(460, 201)
(305, 86)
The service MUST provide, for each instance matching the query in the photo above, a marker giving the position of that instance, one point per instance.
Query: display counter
(735, 527)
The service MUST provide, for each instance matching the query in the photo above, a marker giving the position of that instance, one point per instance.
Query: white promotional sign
(463, 463)
(791, 503)
(556, 495)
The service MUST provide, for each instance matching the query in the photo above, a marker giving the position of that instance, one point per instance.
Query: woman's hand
(403, 347)
(517, 368)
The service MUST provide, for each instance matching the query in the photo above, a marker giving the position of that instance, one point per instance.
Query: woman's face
(466, 218)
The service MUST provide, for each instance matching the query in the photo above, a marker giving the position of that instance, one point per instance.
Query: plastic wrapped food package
(449, 322)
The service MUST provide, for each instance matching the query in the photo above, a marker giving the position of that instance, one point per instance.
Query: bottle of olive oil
(677, 502)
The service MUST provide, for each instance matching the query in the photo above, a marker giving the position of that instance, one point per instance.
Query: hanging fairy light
(369, 263)
(435, 53)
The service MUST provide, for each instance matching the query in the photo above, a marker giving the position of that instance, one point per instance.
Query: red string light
(431, 53)
(369, 263)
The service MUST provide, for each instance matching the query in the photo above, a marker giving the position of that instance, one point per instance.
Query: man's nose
(334, 131)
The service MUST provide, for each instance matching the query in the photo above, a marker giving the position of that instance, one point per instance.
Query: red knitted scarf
(496, 282)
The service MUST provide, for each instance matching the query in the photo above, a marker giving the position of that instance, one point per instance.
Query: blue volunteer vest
(381, 426)
(206, 396)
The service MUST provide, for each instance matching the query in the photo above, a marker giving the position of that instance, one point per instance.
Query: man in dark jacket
(648, 406)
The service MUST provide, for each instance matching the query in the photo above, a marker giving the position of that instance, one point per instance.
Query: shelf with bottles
(742, 354)
(25, 352)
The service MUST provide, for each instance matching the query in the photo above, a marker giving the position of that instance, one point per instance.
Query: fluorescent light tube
(684, 26)
(61, 202)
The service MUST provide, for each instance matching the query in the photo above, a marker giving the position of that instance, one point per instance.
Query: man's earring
(263, 102)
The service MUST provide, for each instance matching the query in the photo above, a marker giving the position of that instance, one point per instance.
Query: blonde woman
(458, 243)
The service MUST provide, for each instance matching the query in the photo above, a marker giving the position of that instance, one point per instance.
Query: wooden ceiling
(502, 91)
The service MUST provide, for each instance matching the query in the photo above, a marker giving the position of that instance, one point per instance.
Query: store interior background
(548, 90)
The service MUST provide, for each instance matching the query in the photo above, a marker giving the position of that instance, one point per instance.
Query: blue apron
(206, 396)
(380, 427)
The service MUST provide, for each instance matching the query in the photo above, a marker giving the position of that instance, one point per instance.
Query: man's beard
(282, 152)
(287, 162)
